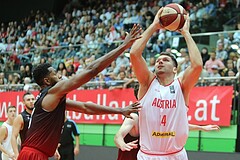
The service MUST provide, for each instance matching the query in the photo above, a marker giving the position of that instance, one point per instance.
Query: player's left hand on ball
(156, 21)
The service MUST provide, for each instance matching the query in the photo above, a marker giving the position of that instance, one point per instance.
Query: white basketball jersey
(7, 142)
(163, 119)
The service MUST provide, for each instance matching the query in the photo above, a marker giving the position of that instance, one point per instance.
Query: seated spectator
(2, 76)
(118, 25)
(236, 35)
(181, 59)
(61, 68)
(234, 57)
(213, 61)
(193, 16)
(127, 22)
(122, 60)
(229, 67)
(2, 63)
(214, 74)
(27, 84)
(200, 13)
(113, 35)
(11, 79)
(232, 39)
(221, 53)
(122, 79)
(230, 82)
(210, 10)
(112, 68)
(28, 71)
(224, 41)
(70, 52)
(204, 54)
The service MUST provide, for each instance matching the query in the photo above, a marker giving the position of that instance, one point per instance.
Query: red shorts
(28, 153)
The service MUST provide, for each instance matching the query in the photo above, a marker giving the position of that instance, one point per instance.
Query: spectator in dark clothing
(205, 55)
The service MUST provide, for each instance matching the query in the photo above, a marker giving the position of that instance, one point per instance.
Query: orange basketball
(173, 17)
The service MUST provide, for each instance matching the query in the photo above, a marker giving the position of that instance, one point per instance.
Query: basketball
(173, 17)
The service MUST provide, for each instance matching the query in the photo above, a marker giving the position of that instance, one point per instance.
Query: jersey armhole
(147, 89)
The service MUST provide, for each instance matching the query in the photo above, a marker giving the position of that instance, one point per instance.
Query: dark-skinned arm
(95, 109)
(63, 87)
(96, 66)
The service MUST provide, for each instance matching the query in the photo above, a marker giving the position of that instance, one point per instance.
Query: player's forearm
(91, 108)
(106, 60)
(193, 127)
(194, 54)
(118, 140)
(91, 70)
(14, 145)
(77, 140)
(140, 44)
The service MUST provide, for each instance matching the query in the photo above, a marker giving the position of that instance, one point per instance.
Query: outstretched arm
(206, 128)
(63, 87)
(128, 126)
(192, 73)
(17, 126)
(92, 108)
(139, 64)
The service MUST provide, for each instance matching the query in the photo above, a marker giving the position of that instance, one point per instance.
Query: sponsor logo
(172, 90)
(163, 134)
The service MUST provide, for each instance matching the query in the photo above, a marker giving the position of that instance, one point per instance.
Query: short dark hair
(9, 107)
(26, 93)
(40, 72)
(172, 56)
(136, 88)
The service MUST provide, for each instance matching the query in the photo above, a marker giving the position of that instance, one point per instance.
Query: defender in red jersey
(48, 115)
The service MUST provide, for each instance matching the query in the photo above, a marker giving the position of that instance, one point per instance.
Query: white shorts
(182, 155)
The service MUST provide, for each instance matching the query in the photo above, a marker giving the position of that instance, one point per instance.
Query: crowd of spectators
(87, 30)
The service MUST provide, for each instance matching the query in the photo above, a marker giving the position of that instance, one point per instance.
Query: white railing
(203, 81)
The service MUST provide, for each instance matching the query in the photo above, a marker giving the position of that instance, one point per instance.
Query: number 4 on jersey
(163, 120)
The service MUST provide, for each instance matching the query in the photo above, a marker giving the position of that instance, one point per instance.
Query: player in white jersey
(163, 124)
(126, 139)
(6, 133)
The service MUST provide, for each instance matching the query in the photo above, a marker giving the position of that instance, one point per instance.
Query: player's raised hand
(131, 37)
(156, 21)
(135, 107)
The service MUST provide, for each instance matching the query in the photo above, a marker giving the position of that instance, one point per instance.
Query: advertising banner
(207, 105)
